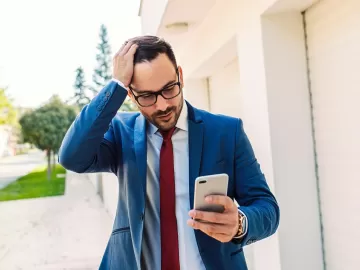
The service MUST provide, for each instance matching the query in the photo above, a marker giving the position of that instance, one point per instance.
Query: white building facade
(291, 70)
(6, 141)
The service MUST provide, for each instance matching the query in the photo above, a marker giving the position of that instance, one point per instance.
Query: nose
(161, 103)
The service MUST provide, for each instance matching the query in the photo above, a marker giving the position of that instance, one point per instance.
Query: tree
(46, 126)
(80, 96)
(128, 106)
(8, 114)
(102, 71)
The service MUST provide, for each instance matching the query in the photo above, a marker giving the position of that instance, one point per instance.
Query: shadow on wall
(109, 189)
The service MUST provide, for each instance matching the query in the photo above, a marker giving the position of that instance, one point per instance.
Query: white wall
(202, 44)
(254, 105)
(151, 15)
(196, 92)
(291, 140)
(225, 90)
(111, 192)
(4, 137)
(334, 59)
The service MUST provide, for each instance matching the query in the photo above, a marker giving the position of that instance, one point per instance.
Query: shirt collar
(182, 122)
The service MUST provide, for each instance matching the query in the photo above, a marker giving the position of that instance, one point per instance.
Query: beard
(166, 120)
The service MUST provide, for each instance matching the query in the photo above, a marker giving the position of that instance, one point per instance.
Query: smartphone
(216, 184)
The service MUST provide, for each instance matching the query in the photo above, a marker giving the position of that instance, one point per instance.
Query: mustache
(162, 113)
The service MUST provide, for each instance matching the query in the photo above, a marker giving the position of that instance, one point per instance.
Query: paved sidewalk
(65, 232)
(11, 168)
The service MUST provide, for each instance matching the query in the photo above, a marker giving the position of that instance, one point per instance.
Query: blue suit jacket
(102, 140)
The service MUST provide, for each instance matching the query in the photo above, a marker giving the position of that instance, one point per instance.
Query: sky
(42, 42)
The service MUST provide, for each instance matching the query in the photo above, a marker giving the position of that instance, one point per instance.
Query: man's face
(150, 77)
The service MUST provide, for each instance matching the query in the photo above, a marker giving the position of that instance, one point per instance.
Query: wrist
(119, 82)
(242, 225)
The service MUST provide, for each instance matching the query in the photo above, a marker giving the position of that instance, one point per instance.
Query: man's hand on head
(123, 63)
(221, 226)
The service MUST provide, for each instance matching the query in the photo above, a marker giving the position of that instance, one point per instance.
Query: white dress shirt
(189, 255)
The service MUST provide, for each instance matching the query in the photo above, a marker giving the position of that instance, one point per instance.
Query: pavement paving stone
(63, 232)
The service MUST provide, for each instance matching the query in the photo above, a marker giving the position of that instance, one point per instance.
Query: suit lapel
(137, 203)
(196, 134)
(140, 147)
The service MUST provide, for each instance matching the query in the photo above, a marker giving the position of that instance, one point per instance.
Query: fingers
(219, 218)
(122, 47)
(226, 201)
(132, 51)
(221, 226)
(209, 227)
(123, 63)
(125, 48)
(218, 231)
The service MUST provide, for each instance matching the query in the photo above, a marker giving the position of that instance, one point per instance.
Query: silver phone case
(216, 184)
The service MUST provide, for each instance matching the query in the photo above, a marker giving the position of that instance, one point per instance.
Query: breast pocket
(121, 250)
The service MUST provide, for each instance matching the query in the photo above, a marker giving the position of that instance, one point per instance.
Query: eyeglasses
(150, 98)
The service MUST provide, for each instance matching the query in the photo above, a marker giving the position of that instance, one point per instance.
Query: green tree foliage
(103, 72)
(128, 106)
(80, 96)
(8, 114)
(46, 126)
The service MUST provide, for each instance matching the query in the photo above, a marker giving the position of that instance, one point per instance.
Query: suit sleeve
(89, 144)
(252, 192)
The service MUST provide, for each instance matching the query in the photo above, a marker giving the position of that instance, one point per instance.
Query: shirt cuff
(245, 225)
(120, 83)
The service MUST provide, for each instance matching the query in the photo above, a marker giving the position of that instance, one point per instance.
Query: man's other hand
(221, 226)
(123, 63)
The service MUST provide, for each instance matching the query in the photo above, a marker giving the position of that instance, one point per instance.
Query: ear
(181, 77)
(131, 96)
(129, 92)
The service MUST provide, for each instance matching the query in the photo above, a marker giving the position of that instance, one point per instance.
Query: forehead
(153, 75)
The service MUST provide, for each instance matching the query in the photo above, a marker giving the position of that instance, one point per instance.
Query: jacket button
(108, 94)
(142, 216)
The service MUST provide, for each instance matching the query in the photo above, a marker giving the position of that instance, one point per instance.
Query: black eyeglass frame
(157, 93)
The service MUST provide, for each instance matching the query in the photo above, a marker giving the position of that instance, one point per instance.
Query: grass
(35, 185)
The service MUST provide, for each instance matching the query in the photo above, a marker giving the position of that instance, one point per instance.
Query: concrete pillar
(276, 111)
(292, 140)
(196, 91)
(253, 101)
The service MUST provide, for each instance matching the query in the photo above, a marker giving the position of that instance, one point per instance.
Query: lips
(165, 116)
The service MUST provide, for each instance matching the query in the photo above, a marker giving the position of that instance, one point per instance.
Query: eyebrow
(149, 92)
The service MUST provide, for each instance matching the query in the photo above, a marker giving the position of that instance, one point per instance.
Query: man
(157, 154)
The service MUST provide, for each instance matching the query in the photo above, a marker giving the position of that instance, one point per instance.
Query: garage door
(224, 88)
(333, 39)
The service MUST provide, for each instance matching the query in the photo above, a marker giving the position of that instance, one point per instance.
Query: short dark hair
(149, 47)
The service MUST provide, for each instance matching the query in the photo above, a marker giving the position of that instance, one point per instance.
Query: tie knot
(167, 134)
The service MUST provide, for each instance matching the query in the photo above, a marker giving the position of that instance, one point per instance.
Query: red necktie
(169, 234)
